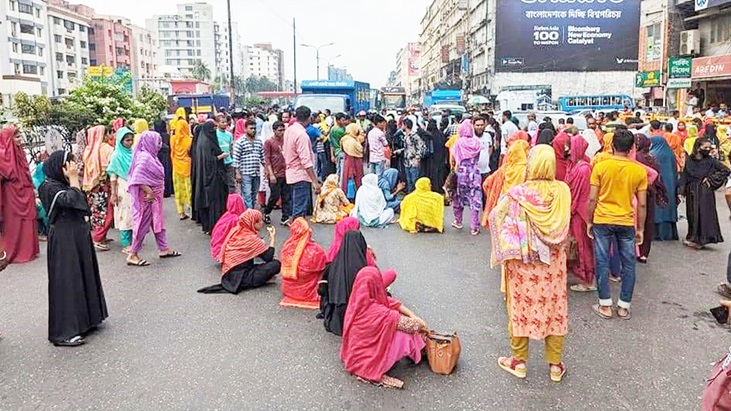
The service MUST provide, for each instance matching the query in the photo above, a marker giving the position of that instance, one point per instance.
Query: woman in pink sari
(379, 331)
(147, 186)
(578, 178)
(234, 207)
(342, 227)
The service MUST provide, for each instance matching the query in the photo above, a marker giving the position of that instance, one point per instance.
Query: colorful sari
(97, 185)
(342, 227)
(303, 262)
(235, 206)
(332, 205)
(578, 180)
(510, 174)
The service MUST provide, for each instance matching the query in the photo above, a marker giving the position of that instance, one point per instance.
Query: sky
(367, 33)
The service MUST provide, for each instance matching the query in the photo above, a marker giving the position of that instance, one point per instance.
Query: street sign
(675, 83)
(648, 79)
(680, 67)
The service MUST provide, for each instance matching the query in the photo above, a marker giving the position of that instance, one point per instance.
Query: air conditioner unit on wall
(690, 43)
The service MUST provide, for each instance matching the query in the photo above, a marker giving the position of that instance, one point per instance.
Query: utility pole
(232, 84)
(294, 43)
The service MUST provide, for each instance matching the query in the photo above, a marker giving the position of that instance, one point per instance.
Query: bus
(394, 98)
(604, 102)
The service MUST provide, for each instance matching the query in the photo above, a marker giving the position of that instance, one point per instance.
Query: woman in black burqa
(76, 303)
(701, 177)
(338, 278)
(435, 165)
(164, 155)
(209, 173)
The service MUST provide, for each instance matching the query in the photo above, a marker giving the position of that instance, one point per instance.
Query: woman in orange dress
(303, 262)
(529, 228)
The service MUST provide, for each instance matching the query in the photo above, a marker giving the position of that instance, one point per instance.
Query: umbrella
(478, 100)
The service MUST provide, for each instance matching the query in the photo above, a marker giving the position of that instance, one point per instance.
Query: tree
(200, 71)
(152, 104)
(31, 109)
(255, 84)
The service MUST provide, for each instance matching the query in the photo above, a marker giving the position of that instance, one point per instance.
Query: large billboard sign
(704, 4)
(567, 35)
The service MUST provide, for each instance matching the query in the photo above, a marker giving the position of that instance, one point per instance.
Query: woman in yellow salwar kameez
(180, 143)
(529, 228)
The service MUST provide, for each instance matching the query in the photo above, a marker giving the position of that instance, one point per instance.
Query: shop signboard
(680, 67)
(675, 83)
(710, 67)
(648, 78)
(567, 35)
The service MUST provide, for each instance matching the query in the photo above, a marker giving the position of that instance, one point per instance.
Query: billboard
(704, 4)
(414, 61)
(567, 35)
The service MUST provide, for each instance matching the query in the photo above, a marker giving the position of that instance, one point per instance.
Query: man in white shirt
(485, 146)
(508, 129)
(532, 127)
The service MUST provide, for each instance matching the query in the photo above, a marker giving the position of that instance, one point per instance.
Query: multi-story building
(110, 42)
(187, 37)
(262, 60)
(23, 48)
(68, 39)
(223, 59)
(407, 69)
(338, 74)
(144, 58)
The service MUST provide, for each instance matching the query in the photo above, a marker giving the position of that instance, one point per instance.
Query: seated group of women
(344, 284)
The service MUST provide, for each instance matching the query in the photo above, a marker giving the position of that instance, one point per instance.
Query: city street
(165, 346)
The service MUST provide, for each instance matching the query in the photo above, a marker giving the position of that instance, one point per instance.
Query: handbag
(716, 394)
(442, 351)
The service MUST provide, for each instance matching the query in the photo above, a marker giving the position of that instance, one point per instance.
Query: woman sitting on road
(234, 207)
(303, 262)
(242, 246)
(370, 204)
(422, 210)
(345, 225)
(332, 205)
(379, 331)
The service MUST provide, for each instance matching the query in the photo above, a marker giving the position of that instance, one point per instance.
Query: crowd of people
(556, 200)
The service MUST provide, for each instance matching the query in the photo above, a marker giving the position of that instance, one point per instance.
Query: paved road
(167, 347)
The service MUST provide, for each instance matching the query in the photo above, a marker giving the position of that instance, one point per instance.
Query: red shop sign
(715, 66)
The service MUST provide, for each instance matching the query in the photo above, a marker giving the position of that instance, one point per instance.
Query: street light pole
(317, 54)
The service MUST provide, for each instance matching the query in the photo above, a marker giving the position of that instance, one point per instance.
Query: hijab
(140, 126)
(180, 144)
(578, 177)
(369, 200)
(467, 146)
(342, 227)
(243, 242)
(93, 157)
(55, 182)
(329, 187)
(349, 142)
(371, 321)
(300, 236)
(422, 206)
(234, 208)
(559, 148)
(342, 271)
(122, 157)
(146, 169)
(515, 164)
(239, 129)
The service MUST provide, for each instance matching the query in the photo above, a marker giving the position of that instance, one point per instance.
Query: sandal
(642, 260)
(171, 254)
(184, 217)
(71, 342)
(475, 232)
(457, 225)
(557, 376)
(724, 290)
(139, 263)
(101, 247)
(510, 365)
(581, 288)
(614, 279)
(627, 316)
(597, 310)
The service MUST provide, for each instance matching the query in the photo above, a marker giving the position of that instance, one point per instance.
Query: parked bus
(605, 102)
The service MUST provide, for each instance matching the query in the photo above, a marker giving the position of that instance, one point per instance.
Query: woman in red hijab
(234, 207)
(578, 179)
(18, 224)
(342, 227)
(303, 262)
(562, 146)
(379, 331)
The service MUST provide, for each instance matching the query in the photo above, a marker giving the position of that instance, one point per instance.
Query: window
(28, 68)
(57, 21)
(69, 43)
(93, 62)
(72, 76)
(42, 71)
(70, 60)
(13, 29)
(91, 31)
(82, 44)
(84, 60)
(17, 68)
(40, 51)
(61, 91)
(15, 47)
(59, 74)
(59, 57)
(188, 8)
(82, 28)
(197, 25)
(653, 42)
(12, 5)
(198, 53)
(721, 29)
(38, 14)
(28, 49)
(27, 28)
(70, 25)
(39, 32)
(27, 9)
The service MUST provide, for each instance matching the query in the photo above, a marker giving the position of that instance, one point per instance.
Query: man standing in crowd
(276, 172)
(414, 151)
(614, 184)
(300, 167)
(248, 159)
(225, 139)
(336, 133)
(533, 129)
(508, 129)
(485, 146)
(377, 144)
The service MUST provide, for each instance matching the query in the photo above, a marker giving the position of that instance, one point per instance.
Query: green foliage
(200, 71)
(255, 84)
(153, 104)
(253, 102)
(31, 109)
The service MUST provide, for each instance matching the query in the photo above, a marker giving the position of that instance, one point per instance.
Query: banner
(414, 50)
(713, 66)
(648, 79)
(680, 67)
(445, 54)
(567, 35)
(704, 4)
(460, 44)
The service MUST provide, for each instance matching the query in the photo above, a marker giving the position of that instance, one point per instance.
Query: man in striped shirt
(248, 160)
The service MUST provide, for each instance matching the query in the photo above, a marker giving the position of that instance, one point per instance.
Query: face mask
(705, 153)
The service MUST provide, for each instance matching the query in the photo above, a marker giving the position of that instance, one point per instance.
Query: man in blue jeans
(248, 160)
(300, 163)
(614, 184)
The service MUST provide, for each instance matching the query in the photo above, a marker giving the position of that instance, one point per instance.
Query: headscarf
(243, 242)
(147, 170)
(341, 272)
(519, 135)
(53, 167)
(546, 136)
(234, 207)
(349, 142)
(54, 141)
(122, 157)
(578, 178)
(682, 133)
(342, 227)
(239, 128)
(533, 216)
(509, 175)
(369, 200)
(292, 250)
(562, 163)
(423, 206)
(329, 187)
(692, 138)
(371, 321)
(180, 143)
(117, 123)
(179, 114)
(467, 146)
(93, 157)
(56, 182)
(267, 131)
(140, 126)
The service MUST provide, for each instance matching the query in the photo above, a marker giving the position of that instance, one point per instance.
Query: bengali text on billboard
(567, 35)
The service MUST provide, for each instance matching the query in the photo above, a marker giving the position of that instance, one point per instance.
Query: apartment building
(68, 40)
(23, 49)
(144, 57)
(262, 60)
(110, 41)
(186, 37)
(223, 58)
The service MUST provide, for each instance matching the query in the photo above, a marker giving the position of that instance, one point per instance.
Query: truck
(394, 98)
(199, 103)
(439, 96)
(338, 96)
